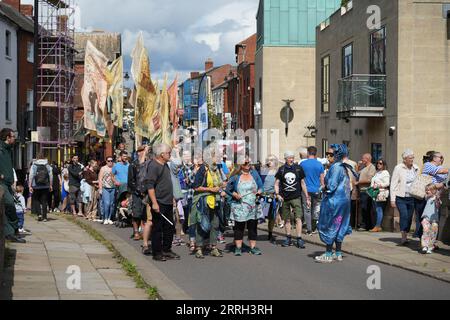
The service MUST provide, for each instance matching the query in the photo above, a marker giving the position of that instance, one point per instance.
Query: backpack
(141, 176)
(42, 178)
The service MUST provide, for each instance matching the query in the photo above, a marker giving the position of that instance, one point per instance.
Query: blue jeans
(108, 203)
(406, 208)
(380, 207)
(21, 217)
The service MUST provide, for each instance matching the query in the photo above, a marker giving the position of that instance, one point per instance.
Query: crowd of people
(164, 196)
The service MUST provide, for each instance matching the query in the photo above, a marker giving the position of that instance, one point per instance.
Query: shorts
(75, 195)
(292, 205)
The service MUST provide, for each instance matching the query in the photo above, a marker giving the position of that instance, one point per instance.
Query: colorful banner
(115, 92)
(95, 91)
(173, 97)
(165, 113)
(145, 91)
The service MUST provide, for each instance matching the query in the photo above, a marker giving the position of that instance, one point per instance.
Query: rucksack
(42, 177)
(141, 176)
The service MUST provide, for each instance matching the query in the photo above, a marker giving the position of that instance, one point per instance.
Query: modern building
(384, 88)
(110, 44)
(16, 77)
(285, 70)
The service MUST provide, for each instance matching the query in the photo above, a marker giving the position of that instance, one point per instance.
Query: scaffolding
(55, 76)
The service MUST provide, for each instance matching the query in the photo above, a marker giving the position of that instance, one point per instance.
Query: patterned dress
(246, 209)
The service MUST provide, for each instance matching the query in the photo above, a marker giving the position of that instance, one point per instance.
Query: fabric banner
(173, 97)
(95, 91)
(115, 93)
(145, 92)
(165, 112)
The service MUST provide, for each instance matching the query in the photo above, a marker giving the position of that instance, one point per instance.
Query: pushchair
(123, 209)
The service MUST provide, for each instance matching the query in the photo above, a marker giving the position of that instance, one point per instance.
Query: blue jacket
(234, 182)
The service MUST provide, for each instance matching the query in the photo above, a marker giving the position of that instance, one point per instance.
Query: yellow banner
(115, 93)
(165, 115)
(95, 91)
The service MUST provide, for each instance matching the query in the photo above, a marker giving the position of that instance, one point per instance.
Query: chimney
(13, 3)
(62, 23)
(26, 10)
(195, 75)
(209, 64)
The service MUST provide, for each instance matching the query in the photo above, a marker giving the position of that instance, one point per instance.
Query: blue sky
(179, 34)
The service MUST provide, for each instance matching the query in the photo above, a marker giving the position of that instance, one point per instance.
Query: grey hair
(161, 148)
(303, 151)
(407, 153)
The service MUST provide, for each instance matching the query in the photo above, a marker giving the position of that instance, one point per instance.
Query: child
(20, 209)
(430, 220)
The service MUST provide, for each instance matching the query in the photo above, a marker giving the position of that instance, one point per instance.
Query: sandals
(199, 254)
(192, 248)
(146, 251)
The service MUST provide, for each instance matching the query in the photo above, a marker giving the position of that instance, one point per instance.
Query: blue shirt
(432, 170)
(120, 172)
(313, 169)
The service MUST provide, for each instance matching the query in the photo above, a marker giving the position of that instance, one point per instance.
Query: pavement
(284, 273)
(384, 247)
(38, 270)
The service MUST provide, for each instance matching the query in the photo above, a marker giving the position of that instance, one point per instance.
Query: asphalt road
(288, 274)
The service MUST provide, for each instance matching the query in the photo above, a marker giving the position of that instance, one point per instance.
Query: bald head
(366, 159)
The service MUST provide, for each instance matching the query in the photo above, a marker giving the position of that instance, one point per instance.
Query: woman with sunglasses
(381, 181)
(244, 187)
(107, 190)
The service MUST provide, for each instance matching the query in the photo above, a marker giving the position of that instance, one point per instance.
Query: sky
(179, 34)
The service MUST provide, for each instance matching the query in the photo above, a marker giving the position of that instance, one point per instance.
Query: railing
(362, 96)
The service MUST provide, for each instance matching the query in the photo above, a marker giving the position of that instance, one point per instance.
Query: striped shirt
(432, 170)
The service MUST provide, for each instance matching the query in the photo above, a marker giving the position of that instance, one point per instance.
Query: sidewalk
(37, 270)
(384, 248)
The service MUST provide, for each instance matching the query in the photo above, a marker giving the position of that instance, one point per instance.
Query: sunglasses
(328, 154)
(109, 161)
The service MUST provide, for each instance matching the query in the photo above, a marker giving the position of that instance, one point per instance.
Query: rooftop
(109, 43)
(22, 21)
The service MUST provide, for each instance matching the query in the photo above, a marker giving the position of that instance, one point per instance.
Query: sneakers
(300, 243)
(15, 239)
(199, 254)
(287, 242)
(39, 218)
(255, 251)
(309, 233)
(216, 253)
(281, 225)
(221, 240)
(325, 258)
(45, 220)
(25, 232)
(238, 252)
(171, 255)
(338, 257)
(426, 250)
(105, 222)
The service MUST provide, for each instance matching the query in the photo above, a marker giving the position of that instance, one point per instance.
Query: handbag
(373, 193)
(419, 185)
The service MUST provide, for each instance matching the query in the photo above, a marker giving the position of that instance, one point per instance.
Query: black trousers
(39, 202)
(54, 198)
(239, 228)
(366, 210)
(162, 230)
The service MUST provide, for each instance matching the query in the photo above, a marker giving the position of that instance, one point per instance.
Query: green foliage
(344, 2)
(215, 121)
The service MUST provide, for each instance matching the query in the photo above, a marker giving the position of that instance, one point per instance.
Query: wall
(8, 70)
(344, 30)
(424, 78)
(287, 73)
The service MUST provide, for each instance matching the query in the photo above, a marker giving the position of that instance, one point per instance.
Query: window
(325, 147)
(326, 84)
(7, 100)
(347, 61)
(30, 52)
(378, 52)
(377, 152)
(8, 43)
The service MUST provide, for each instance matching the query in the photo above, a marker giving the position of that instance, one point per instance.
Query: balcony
(362, 96)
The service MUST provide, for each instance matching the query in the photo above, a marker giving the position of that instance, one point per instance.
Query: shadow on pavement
(414, 245)
(8, 276)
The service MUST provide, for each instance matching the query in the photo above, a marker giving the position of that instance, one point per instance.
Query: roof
(109, 43)
(22, 21)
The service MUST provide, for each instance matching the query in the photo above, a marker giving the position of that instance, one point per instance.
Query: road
(288, 274)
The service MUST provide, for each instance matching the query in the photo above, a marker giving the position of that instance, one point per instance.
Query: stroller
(123, 209)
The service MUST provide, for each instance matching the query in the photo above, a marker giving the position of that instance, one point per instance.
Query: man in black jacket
(75, 176)
(137, 190)
(11, 226)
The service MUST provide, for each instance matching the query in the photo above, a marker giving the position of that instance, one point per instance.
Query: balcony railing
(362, 96)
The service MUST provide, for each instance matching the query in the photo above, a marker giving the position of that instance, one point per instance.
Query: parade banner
(165, 113)
(95, 91)
(145, 91)
(173, 97)
(115, 93)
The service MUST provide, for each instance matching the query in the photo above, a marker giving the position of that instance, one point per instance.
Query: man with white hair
(160, 191)
(292, 180)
